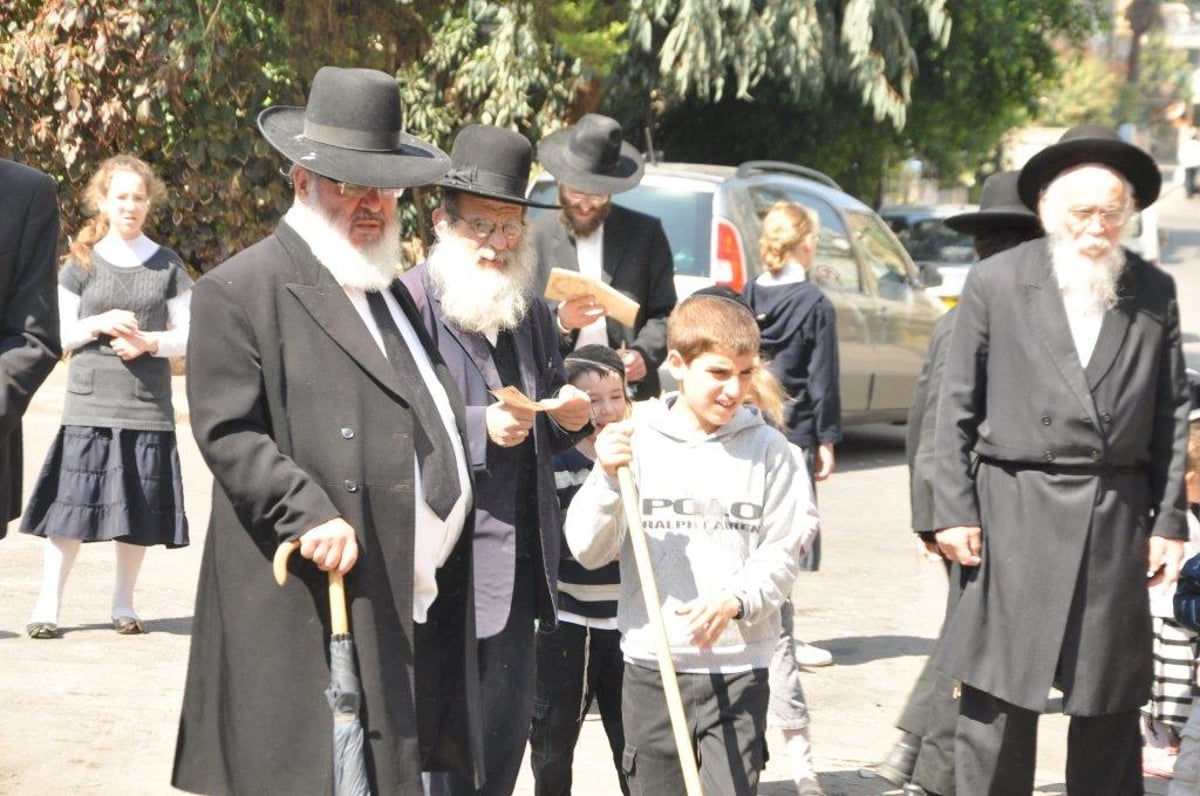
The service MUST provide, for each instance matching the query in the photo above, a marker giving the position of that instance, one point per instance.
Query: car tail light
(729, 265)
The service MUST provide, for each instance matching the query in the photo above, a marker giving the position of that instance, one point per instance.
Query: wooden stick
(339, 622)
(662, 647)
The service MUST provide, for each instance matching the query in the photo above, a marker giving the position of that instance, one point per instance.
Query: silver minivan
(712, 216)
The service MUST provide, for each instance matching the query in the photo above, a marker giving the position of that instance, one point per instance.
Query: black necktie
(435, 454)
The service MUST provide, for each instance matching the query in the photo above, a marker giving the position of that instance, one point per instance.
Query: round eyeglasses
(484, 228)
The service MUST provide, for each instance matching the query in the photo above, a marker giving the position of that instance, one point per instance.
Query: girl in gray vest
(112, 472)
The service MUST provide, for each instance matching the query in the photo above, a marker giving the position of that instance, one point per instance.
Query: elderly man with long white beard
(475, 293)
(1061, 438)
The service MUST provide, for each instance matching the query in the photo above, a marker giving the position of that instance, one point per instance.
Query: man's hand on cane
(332, 546)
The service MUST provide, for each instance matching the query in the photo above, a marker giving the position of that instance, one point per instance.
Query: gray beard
(371, 269)
(475, 298)
(1091, 282)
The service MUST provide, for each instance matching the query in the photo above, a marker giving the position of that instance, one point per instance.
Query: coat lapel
(325, 300)
(1048, 319)
(1113, 330)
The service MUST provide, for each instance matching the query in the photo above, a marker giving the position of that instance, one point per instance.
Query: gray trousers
(996, 750)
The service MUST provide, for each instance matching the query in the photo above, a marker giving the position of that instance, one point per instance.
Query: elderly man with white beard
(476, 297)
(328, 418)
(1061, 436)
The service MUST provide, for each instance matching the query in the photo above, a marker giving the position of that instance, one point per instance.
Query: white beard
(1090, 283)
(371, 269)
(478, 298)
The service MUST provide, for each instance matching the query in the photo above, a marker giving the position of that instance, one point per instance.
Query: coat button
(1095, 456)
(347, 432)
(1045, 420)
(1105, 417)
(1087, 422)
(1048, 456)
(351, 485)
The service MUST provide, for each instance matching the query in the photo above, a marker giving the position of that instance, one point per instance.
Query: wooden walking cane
(662, 647)
(338, 621)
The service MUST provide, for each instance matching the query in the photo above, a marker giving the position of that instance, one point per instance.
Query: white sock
(129, 563)
(58, 557)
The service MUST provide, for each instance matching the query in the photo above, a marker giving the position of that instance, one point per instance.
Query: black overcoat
(29, 345)
(302, 419)
(636, 260)
(1077, 467)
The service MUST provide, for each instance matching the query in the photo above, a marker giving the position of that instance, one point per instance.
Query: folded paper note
(565, 285)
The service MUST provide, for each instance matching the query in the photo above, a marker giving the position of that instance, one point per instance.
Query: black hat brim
(978, 221)
(555, 155)
(1129, 161)
(450, 183)
(414, 163)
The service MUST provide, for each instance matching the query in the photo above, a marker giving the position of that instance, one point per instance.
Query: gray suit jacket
(1077, 467)
(29, 346)
(469, 359)
(636, 261)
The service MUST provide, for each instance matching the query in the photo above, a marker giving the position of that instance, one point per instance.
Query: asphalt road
(96, 713)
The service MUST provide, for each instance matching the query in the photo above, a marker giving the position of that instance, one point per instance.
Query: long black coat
(1078, 467)
(302, 419)
(920, 439)
(636, 260)
(29, 344)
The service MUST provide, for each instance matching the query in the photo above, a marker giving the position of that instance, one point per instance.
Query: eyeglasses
(356, 192)
(1109, 216)
(484, 228)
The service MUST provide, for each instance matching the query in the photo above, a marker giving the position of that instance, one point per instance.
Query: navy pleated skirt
(102, 484)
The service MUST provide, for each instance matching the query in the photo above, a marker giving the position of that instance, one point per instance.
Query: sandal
(128, 625)
(42, 630)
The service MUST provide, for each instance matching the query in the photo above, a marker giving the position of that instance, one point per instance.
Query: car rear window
(686, 215)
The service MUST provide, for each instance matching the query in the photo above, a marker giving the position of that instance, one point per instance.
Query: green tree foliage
(713, 49)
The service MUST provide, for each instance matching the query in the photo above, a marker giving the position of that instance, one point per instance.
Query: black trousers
(996, 750)
(575, 665)
(506, 672)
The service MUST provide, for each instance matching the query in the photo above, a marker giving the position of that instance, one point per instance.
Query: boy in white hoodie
(714, 484)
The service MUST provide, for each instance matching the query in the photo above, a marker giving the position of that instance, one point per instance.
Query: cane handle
(339, 622)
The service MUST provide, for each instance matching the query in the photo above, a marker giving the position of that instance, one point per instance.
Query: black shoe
(897, 768)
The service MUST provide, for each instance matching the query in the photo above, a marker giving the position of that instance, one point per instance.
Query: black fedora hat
(1000, 207)
(351, 131)
(492, 162)
(591, 157)
(1094, 144)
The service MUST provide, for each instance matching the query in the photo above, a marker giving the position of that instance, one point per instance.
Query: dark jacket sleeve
(961, 406)
(29, 343)
(651, 339)
(823, 383)
(232, 422)
(1168, 448)
(921, 443)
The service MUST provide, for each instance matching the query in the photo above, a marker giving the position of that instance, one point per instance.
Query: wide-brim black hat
(352, 131)
(1000, 207)
(492, 162)
(1094, 144)
(591, 157)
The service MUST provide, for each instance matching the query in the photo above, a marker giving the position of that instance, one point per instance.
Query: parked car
(933, 245)
(712, 216)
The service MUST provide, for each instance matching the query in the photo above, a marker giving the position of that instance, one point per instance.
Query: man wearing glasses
(626, 249)
(475, 294)
(1061, 438)
(328, 418)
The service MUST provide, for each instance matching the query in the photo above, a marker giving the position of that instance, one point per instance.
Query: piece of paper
(514, 397)
(565, 285)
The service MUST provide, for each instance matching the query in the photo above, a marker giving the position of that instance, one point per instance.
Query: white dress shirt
(590, 253)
